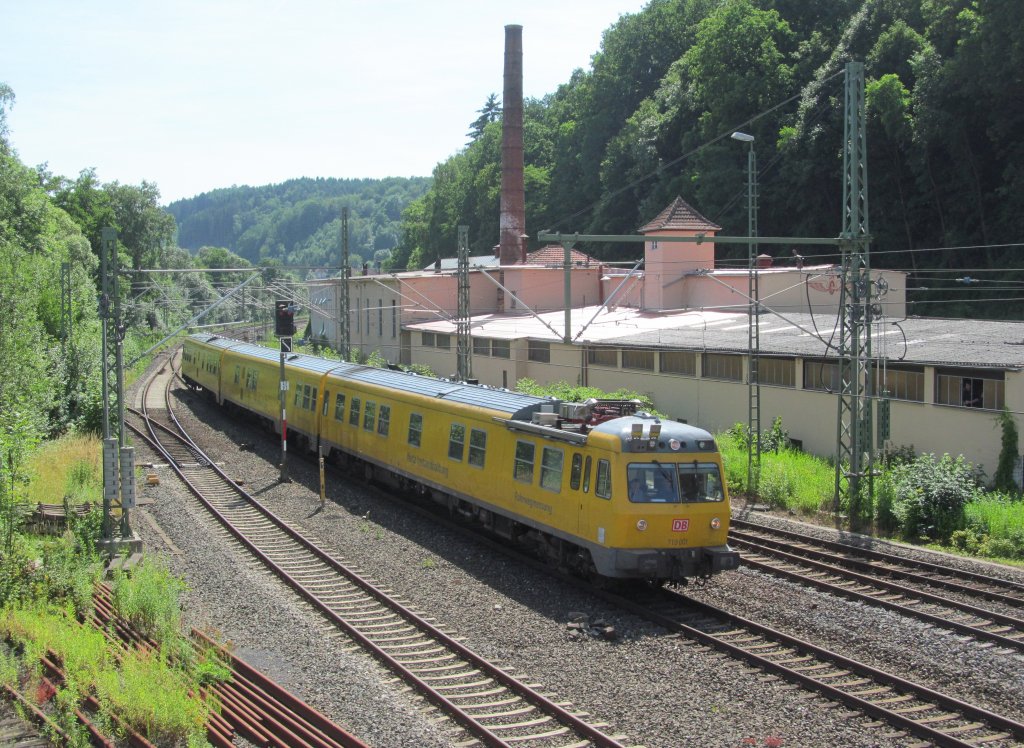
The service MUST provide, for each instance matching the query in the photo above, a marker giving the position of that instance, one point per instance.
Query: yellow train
(631, 497)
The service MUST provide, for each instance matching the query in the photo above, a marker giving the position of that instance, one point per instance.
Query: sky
(194, 95)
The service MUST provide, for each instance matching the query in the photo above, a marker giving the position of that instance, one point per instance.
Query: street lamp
(753, 327)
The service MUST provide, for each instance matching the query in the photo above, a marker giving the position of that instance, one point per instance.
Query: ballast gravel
(646, 685)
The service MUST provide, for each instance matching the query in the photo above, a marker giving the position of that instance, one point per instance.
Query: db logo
(680, 525)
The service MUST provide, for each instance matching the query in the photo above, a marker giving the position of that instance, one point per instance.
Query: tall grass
(149, 597)
(71, 467)
(998, 516)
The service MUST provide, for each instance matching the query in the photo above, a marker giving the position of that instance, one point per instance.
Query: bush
(148, 598)
(928, 496)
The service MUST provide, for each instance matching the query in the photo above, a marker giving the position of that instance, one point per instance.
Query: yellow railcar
(630, 497)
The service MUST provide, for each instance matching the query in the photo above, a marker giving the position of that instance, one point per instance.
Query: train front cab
(665, 512)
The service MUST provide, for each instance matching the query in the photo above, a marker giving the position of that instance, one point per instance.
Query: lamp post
(753, 325)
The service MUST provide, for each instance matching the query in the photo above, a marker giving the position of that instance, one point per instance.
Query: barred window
(501, 349)
(523, 469)
(970, 388)
(539, 351)
(901, 383)
(370, 415)
(728, 366)
(636, 358)
(780, 372)
(415, 429)
(603, 356)
(339, 407)
(551, 469)
(353, 414)
(456, 441)
(477, 447)
(821, 375)
(679, 362)
(384, 422)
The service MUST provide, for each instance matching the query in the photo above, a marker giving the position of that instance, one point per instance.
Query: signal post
(284, 328)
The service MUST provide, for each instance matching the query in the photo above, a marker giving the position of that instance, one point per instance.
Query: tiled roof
(679, 216)
(554, 254)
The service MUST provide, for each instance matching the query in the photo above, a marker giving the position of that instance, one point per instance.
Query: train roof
(514, 405)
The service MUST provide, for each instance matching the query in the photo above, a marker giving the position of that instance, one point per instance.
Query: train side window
(477, 447)
(576, 471)
(604, 479)
(339, 407)
(586, 475)
(551, 462)
(238, 374)
(312, 400)
(353, 414)
(523, 470)
(305, 397)
(298, 394)
(456, 441)
(415, 429)
(384, 422)
(327, 401)
(370, 416)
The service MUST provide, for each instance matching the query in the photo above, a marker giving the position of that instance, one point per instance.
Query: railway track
(883, 581)
(488, 702)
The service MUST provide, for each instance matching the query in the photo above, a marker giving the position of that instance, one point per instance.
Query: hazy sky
(197, 95)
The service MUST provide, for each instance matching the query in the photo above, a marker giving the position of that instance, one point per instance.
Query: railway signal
(284, 318)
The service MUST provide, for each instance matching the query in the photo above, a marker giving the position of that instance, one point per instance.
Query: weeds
(148, 598)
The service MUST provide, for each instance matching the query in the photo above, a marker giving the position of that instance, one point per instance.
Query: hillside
(298, 222)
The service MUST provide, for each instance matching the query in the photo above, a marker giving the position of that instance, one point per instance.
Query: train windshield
(669, 483)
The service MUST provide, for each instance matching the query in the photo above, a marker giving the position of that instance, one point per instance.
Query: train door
(579, 489)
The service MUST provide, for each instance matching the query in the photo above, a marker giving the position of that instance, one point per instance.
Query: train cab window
(327, 402)
(551, 469)
(586, 475)
(477, 447)
(339, 407)
(523, 469)
(384, 421)
(576, 471)
(652, 483)
(370, 416)
(353, 414)
(603, 487)
(415, 429)
(700, 482)
(456, 441)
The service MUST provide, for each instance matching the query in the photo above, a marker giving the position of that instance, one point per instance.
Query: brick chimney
(513, 190)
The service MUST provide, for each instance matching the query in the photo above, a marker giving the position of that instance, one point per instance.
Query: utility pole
(344, 342)
(567, 290)
(854, 456)
(463, 341)
(118, 457)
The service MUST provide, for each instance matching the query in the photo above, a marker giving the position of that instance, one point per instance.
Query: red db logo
(680, 525)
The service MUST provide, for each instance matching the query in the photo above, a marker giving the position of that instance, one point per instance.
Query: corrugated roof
(679, 216)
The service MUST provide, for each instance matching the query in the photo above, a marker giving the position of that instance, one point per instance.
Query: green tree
(490, 112)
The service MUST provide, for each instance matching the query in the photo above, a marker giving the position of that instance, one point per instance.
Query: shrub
(1008, 452)
(148, 597)
(928, 496)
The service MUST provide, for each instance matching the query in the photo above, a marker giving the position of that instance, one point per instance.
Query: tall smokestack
(513, 190)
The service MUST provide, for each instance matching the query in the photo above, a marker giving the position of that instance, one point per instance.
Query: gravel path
(654, 688)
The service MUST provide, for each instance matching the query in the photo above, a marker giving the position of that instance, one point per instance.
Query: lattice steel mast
(464, 343)
(344, 341)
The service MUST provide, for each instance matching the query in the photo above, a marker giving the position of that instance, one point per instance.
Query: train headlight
(641, 524)
(716, 523)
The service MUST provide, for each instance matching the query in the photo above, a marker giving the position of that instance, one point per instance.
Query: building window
(427, 339)
(970, 389)
(501, 349)
(444, 342)
(551, 469)
(603, 357)
(456, 441)
(679, 362)
(384, 422)
(821, 375)
(415, 429)
(780, 372)
(339, 407)
(477, 447)
(359, 317)
(370, 416)
(539, 351)
(636, 358)
(353, 414)
(728, 366)
(604, 479)
(576, 472)
(523, 470)
(380, 318)
(481, 346)
(394, 319)
(901, 383)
